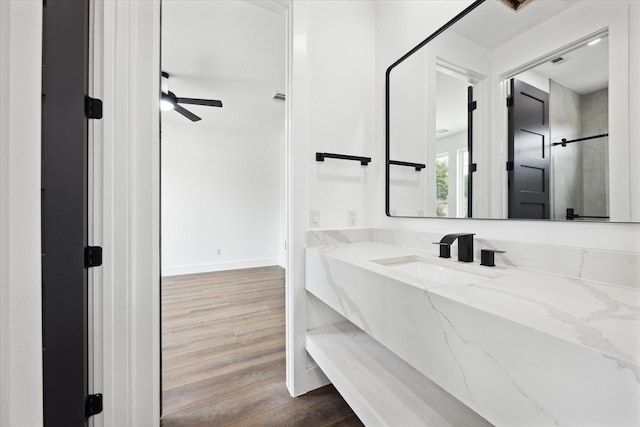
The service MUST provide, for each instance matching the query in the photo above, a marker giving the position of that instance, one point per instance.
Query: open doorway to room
(452, 145)
(223, 206)
(223, 220)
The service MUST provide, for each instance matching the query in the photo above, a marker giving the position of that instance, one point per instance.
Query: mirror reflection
(510, 112)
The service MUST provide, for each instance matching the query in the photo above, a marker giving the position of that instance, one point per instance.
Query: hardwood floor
(223, 355)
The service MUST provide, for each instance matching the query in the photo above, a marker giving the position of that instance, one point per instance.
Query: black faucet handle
(487, 257)
(445, 249)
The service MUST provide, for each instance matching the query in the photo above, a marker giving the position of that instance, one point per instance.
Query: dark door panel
(528, 174)
(64, 211)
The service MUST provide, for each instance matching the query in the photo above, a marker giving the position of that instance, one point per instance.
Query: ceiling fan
(170, 101)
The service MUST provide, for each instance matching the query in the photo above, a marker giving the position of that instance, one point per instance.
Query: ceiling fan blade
(196, 101)
(188, 114)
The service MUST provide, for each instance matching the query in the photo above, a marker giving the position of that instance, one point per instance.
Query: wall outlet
(219, 251)
(352, 218)
(315, 218)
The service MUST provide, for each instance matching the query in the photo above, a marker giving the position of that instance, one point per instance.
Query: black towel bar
(418, 166)
(363, 160)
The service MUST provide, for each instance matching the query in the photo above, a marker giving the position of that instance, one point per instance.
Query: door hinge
(473, 105)
(473, 167)
(92, 256)
(510, 101)
(92, 107)
(93, 405)
(510, 165)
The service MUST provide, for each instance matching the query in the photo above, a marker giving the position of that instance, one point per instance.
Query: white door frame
(20, 252)
(125, 213)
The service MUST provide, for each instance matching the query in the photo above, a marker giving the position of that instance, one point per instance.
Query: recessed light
(592, 42)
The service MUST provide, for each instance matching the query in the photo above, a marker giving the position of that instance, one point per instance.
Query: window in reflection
(442, 185)
(463, 183)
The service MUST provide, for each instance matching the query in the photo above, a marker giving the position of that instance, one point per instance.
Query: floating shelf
(364, 161)
(418, 166)
(381, 388)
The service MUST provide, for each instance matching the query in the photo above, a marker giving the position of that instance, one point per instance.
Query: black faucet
(465, 246)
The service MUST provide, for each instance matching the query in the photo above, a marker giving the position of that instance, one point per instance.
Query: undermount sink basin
(422, 268)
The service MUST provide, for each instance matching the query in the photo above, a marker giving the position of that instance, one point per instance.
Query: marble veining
(451, 352)
(347, 305)
(567, 307)
(468, 342)
(334, 237)
(519, 347)
(587, 334)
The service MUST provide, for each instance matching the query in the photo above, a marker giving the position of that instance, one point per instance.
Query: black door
(64, 211)
(528, 162)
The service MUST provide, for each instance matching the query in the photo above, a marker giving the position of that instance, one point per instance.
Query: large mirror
(517, 110)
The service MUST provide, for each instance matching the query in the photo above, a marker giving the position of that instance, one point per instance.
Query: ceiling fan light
(166, 104)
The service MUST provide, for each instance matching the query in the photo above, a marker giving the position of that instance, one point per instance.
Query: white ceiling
(230, 50)
(451, 105)
(584, 70)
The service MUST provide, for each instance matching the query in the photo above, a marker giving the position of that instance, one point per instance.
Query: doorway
(453, 141)
(222, 206)
(558, 125)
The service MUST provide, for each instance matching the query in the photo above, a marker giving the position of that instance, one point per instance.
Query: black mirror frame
(387, 80)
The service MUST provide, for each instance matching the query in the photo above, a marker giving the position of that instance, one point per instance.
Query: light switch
(315, 218)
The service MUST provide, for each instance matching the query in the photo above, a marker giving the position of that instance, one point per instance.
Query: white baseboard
(178, 270)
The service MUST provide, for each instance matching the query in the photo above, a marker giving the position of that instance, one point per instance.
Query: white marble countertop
(596, 315)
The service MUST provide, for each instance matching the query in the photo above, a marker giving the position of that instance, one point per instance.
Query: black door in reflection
(529, 155)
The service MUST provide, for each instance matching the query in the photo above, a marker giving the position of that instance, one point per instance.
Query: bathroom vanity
(549, 335)
(422, 340)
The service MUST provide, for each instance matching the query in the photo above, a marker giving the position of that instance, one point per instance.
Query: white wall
(20, 277)
(221, 189)
(331, 110)
(408, 110)
(339, 64)
(400, 26)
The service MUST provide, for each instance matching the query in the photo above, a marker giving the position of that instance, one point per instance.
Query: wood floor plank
(223, 355)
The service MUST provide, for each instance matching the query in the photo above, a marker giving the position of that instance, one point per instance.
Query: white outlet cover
(352, 218)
